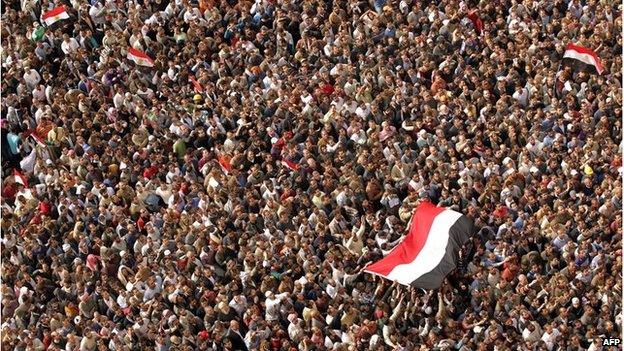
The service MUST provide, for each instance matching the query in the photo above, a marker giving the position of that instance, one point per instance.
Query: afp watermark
(611, 342)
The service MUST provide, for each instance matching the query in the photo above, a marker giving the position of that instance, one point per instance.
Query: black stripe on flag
(459, 234)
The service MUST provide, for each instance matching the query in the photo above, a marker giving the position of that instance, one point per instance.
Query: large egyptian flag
(429, 251)
(584, 56)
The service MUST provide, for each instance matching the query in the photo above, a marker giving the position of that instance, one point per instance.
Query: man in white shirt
(97, 13)
(89, 341)
(239, 304)
(522, 95)
(273, 304)
(31, 77)
(550, 336)
(532, 332)
(296, 329)
(154, 286)
(69, 45)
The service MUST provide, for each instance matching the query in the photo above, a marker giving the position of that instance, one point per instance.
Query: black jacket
(237, 340)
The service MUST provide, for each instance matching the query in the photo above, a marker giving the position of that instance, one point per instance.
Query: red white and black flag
(55, 15)
(585, 56)
(429, 251)
(196, 85)
(139, 57)
(290, 164)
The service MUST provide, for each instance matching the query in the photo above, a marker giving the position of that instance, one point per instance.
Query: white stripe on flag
(431, 254)
(587, 58)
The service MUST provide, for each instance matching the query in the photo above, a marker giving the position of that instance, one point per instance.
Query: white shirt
(331, 291)
(39, 93)
(239, 307)
(150, 292)
(522, 96)
(70, 47)
(272, 306)
(96, 14)
(118, 100)
(294, 331)
(362, 112)
(121, 301)
(192, 15)
(156, 20)
(32, 78)
(550, 339)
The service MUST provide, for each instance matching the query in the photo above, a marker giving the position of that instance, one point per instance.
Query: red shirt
(327, 89)
(140, 223)
(9, 191)
(150, 172)
(510, 271)
(44, 208)
(500, 212)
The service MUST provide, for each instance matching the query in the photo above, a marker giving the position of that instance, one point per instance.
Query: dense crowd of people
(228, 197)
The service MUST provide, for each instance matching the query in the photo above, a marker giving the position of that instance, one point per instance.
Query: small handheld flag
(290, 164)
(224, 162)
(55, 15)
(476, 21)
(196, 85)
(140, 58)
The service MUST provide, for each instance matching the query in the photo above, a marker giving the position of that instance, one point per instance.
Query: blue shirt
(13, 140)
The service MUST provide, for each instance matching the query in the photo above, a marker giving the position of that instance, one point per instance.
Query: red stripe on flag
(38, 139)
(135, 55)
(54, 12)
(413, 242)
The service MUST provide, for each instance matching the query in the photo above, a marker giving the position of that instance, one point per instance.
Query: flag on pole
(20, 178)
(429, 251)
(584, 55)
(140, 58)
(55, 15)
